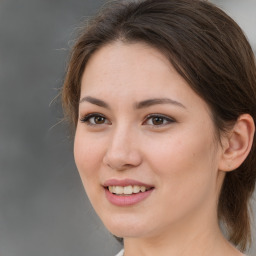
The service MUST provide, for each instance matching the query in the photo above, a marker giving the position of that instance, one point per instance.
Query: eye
(158, 120)
(95, 119)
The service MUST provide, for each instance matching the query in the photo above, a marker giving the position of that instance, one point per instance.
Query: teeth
(143, 189)
(119, 190)
(136, 189)
(127, 190)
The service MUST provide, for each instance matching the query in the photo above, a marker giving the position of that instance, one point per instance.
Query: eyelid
(86, 118)
(167, 118)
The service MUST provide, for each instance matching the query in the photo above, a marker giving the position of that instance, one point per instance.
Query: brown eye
(99, 120)
(158, 120)
(95, 119)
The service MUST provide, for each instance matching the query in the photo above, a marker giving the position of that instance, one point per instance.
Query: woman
(162, 96)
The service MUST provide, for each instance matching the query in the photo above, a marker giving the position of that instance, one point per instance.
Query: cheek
(88, 154)
(184, 165)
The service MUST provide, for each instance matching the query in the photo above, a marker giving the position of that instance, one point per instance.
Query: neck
(184, 239)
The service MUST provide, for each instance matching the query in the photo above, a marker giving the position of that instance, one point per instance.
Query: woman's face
(145, 145)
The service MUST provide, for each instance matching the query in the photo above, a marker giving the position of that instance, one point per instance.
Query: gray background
(43, 207)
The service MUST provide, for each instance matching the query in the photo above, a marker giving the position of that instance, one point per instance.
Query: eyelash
(166, 119)
(86, 119)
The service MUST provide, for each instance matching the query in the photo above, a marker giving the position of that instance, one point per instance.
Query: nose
(123, 150)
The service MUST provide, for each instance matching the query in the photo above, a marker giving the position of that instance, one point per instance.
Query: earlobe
(238, 144)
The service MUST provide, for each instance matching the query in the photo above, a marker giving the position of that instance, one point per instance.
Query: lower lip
(121, 200)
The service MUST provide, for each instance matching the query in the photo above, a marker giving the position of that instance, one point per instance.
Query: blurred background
(43, 207)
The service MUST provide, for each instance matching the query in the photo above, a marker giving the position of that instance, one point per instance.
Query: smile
(127, 190)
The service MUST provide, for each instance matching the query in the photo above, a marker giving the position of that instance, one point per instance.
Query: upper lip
(125, 182)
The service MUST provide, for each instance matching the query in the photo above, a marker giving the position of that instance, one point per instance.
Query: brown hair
(210, 51)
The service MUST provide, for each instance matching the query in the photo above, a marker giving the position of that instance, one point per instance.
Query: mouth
(127, 190)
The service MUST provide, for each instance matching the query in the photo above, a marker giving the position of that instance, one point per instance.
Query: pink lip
(126, 200)
(125, 182)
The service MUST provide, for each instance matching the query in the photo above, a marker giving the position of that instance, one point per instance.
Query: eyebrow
(95, 101)
(139, 105)
(151, 102)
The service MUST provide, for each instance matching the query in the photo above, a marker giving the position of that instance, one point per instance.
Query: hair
(210, 51)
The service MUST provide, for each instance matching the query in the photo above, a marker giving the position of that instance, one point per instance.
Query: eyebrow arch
(139, 105)
(151, 102)
(95, 101)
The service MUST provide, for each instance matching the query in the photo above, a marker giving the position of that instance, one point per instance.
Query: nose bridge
(122, 150)
(122, 135)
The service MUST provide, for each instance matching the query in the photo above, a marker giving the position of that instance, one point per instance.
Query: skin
(180, 157)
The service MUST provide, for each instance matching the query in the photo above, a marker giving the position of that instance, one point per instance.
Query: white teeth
(127, 190)
(119, 190)
(136, 189)
(143, 189)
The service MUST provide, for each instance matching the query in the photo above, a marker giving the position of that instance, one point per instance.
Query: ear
(237, 145)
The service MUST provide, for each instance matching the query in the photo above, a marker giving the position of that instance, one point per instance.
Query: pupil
(99, 120)
(157, 120)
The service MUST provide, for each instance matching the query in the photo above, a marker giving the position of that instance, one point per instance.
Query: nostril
(121, 161)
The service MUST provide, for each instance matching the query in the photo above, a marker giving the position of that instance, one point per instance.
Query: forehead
(120, 60)
(123, 65)
(134, 72)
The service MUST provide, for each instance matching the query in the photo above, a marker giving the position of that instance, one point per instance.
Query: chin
(127, 232)
(123, 227)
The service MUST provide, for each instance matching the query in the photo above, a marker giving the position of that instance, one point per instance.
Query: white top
(121, 253)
